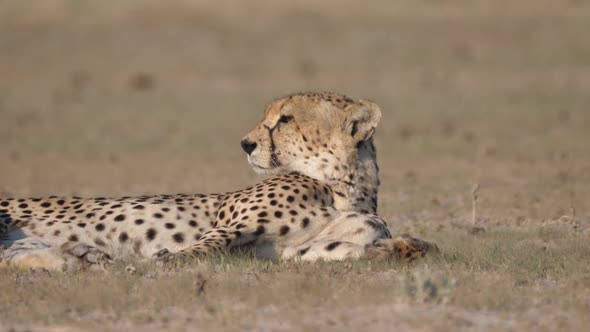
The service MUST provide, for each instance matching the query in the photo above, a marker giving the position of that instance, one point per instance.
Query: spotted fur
(319, 202)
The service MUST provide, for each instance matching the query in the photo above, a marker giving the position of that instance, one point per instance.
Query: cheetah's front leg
(217, 239)
(30, 252)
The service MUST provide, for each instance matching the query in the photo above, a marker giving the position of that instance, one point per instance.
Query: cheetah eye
(286, 118)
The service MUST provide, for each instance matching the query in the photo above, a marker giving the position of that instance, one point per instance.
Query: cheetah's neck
(357, 188)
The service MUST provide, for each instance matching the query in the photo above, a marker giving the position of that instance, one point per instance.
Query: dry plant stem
(572, 207)
(474, 197)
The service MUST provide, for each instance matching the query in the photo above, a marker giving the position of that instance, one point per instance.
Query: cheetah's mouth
(255, 166)
(259, 169)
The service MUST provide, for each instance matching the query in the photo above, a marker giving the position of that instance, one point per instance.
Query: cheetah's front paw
(89, 258)
(165, 256)
(403, 247)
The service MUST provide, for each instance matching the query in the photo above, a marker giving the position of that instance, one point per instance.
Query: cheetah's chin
(262, 170)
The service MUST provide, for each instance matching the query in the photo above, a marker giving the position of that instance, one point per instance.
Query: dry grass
(503, 278)
(121, 98)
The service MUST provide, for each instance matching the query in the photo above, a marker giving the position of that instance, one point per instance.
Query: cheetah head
(316, 134)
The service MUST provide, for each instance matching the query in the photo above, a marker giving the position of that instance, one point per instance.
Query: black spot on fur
(99, 227)
(123, 237)
(73, 238)
(303, 251)
(284, 230)
(305, 222)
(169, 225)
(260, 230)
(333, 245)
(178, 237)
(120, 218)
(150, 234)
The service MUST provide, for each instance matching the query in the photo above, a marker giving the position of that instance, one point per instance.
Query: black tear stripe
(273, 155)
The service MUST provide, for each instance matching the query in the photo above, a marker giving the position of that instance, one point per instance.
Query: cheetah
(318, 202)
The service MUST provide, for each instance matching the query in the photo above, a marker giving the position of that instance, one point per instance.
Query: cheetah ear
(362, 119)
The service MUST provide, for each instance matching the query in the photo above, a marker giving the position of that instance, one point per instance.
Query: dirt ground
(121, 98)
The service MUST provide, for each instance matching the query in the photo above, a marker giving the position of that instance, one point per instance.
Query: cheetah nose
(248, 145)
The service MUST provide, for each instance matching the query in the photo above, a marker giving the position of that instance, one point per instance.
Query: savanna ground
(121, 98)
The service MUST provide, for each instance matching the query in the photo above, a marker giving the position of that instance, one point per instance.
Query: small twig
(474, 198)
(572, 207)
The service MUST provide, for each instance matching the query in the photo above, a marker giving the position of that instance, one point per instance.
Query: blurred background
(134, 97)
